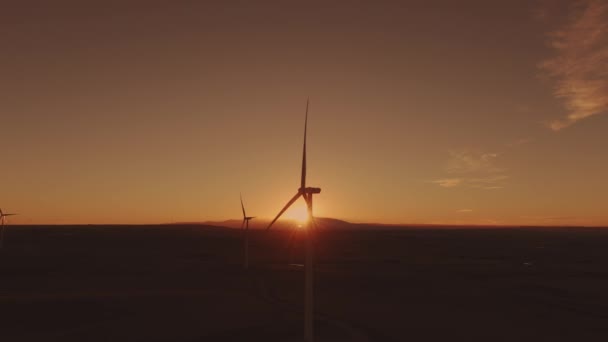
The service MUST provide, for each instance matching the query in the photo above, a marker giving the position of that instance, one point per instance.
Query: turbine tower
(245, 233)
(306, 193)
(2, 221)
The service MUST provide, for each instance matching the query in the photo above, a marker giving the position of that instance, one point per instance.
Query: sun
(298, 212)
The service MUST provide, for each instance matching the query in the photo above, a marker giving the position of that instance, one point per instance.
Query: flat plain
(187, 283)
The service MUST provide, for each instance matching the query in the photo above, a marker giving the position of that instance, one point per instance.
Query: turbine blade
(303, 180)
(284, 208)
(243, 223)
(243, 207)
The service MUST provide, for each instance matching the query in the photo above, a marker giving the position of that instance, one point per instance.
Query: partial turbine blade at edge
(295, 198)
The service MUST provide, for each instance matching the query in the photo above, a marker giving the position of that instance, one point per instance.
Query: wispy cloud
(493, 182)
(448, 182)
(518, 142)
(489, 179)
(470, 162)
(493, 187)
(473, 170)
(464, 210)
(580, 66)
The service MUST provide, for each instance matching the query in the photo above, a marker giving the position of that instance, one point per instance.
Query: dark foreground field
(186, 283)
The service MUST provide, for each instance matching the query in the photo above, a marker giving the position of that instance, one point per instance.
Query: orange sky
(471, 112)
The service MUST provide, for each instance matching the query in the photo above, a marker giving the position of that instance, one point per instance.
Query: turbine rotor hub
(310, 190)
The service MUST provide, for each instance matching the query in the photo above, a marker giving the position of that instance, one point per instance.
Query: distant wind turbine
(307, 194)
(2, 222)
(245, 224)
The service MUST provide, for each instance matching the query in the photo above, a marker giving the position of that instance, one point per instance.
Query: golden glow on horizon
(298, 212)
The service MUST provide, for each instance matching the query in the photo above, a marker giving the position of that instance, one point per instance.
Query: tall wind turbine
(306, 193)
(246, 235)
(2, 221)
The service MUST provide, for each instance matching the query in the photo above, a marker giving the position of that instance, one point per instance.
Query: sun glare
(298, 212)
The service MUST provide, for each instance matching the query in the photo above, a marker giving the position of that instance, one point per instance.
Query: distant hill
(321, 222)
(336, 224)
(328, 223)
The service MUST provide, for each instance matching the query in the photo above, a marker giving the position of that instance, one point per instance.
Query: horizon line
(355, 224)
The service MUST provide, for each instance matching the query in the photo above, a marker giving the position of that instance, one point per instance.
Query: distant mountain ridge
(321, 222)
(337, 224)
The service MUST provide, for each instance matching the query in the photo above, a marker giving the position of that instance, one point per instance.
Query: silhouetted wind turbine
(246, 233)
(2, 222)
(306, 193)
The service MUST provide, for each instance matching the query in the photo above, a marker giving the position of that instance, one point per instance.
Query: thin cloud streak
(448, 182)
(488, 182)
(580, 66)
(476, 170)
(469, 162)
(519, 142)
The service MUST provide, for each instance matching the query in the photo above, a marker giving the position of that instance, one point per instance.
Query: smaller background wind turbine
(245, 224)
(2, 228)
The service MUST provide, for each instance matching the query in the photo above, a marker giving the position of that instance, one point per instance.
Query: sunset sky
(449, 112)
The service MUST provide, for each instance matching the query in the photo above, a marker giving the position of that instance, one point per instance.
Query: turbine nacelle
(309, 190)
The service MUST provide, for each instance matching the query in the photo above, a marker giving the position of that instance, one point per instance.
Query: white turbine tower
(307, 194)
(2, 222)
(245, 224)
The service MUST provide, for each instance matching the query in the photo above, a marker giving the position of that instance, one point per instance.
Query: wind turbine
(2, 221)
(246, 235)
(306, 193)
